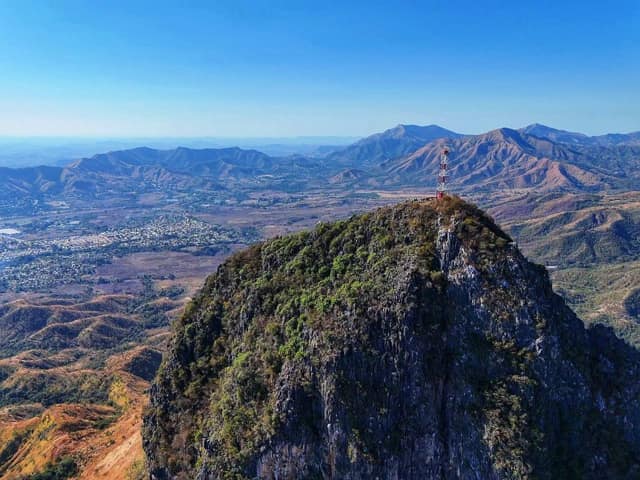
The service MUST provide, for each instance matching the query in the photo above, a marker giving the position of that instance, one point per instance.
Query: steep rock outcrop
(413, 342)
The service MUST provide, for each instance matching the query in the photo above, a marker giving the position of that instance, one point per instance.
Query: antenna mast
(442, 174)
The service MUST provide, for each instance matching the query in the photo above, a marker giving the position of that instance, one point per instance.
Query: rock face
(413, 342)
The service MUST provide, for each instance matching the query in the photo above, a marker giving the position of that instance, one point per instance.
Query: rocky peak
(426, 132)
(411, 342)
(505, 135)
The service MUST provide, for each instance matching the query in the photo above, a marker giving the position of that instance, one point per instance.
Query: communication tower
(443, 173)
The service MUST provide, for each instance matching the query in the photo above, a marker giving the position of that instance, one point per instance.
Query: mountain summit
(392, 143)
(556, 135)
(412, 342)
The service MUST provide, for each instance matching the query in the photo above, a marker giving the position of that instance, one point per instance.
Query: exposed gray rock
(454, 359)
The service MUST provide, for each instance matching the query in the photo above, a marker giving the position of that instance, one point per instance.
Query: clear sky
(287, 68)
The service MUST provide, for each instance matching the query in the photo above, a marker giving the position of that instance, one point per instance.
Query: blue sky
(275, 68)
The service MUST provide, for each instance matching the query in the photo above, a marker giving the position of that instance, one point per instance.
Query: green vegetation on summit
(411, 342)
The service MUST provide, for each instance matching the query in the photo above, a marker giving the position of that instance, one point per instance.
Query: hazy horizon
(292, 139)
(58, 151)
(32, 151)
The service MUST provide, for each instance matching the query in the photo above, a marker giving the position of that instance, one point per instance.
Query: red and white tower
(442, 174)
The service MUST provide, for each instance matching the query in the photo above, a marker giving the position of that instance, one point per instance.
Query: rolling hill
(74, 377)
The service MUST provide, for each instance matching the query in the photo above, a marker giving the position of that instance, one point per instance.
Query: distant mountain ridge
(535, 156)
(129, 170)
(210, 161)
(563, 136)
(506, 158)
(532, 157)
(29, 181)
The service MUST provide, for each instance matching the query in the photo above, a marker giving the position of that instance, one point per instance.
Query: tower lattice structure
(443, 174)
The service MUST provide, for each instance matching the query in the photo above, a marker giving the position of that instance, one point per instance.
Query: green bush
(63, 469)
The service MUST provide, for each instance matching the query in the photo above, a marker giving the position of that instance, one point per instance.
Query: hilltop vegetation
(409, 342)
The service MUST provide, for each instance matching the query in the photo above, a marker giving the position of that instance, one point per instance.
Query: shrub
(65, 468)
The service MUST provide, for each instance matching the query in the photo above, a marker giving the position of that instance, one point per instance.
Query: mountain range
(532, 157)
(141, 169)
(506, 158)
(573, 138)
